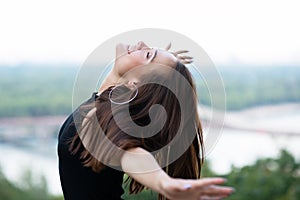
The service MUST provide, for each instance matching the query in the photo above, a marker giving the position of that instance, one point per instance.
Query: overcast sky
(231, 31)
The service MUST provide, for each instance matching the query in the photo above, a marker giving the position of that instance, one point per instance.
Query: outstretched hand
(178, 54)
(142, 166)
(201, 189)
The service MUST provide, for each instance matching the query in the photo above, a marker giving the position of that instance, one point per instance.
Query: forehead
(164, 57)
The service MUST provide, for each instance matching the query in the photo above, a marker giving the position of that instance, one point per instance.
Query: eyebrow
(155, 53)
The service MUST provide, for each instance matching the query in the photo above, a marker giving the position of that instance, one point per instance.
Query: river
(233, 147)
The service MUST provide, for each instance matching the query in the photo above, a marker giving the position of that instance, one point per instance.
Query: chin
(121, 49)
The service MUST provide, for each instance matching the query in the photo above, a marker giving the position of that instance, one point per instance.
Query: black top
(79, 182)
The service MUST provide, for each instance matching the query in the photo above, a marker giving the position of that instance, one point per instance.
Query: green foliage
(35, 91)
(276, 179)
(47, 90)
(30, 188)
(145, 194)
(206, 170)
(253, 86)
(270, 178)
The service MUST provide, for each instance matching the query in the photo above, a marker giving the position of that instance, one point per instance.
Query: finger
(179, 52)
(206, 197)
(184, 57)
(168, 47)
(210, 198)
(209, 181)
(186, 61)
(217, 190)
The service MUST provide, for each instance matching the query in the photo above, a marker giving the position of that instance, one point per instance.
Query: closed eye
(153, 56)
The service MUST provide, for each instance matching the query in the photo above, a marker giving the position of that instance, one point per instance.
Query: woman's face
(130, 56)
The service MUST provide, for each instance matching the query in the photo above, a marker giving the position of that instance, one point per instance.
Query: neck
(111, 80)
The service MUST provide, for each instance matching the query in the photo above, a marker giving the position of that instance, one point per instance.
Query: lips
(128, 49)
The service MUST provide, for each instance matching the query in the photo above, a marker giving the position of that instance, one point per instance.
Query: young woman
(118, 130)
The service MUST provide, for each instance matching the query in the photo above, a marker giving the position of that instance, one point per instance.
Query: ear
(132, 82)
(132, 85)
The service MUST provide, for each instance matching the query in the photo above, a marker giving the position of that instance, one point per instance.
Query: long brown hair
(182, 120)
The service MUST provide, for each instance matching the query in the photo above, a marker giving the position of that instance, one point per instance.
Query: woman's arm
(142, 166)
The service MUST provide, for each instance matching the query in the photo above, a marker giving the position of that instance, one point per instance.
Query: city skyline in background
(232, 32)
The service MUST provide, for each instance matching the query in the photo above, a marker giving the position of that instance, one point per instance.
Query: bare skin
(131, 56)
(137, 160)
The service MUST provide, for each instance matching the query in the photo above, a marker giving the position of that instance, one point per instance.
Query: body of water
(234, 147)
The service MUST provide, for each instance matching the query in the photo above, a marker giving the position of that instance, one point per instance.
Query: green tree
(276, 179)
(30, 188)
(270, 178)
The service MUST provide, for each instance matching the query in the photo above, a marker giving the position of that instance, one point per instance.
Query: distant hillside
(256, 86)
(37, 90)
(46, 90)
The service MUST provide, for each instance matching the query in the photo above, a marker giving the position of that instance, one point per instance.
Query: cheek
(129, 64)
(124, 65)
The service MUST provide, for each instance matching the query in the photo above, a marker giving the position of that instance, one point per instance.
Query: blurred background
(255, 45)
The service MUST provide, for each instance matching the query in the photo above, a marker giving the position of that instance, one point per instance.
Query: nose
(141, 45)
